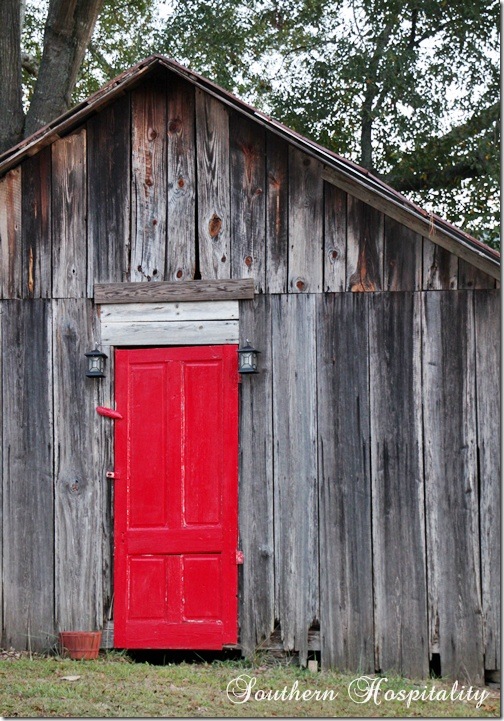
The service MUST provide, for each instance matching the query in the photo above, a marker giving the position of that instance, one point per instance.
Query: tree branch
(370, 94)
(12, 116)
(68, 30)
(29, 64)
(436, 178)
(430, 174)
(101, 60)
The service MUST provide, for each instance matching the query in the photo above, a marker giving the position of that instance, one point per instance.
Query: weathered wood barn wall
(369, 442)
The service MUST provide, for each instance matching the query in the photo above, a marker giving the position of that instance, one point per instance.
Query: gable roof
(337, 170)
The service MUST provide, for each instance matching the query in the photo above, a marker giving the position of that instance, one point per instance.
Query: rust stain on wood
(360, 281)
(214, 226)
(250, 155)
(276, 186)
(31, 283)
(274, 182)
(149, 182)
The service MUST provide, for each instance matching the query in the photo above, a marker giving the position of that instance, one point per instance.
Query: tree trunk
(366, 142)
(11, 116)
(68, 30)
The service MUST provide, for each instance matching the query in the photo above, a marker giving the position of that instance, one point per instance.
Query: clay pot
(80, 644)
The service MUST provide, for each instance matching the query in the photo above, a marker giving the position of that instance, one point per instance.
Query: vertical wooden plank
(364, 260)
(256, 481)
(473, 278)
(295, 468)
(453, 558)
(488, 339)
(212, 142)
(36, 226)
(28, 509)
(149, 180)
(335, 232)
(277, 218)
(400, 592)
(109, 193)
(69, 211)
(305, 223)
(247, 179)
(181, 254)
(346, 574)
(2, 626)
(440, 267)
(402, 257)
(10, 235)
(104, 461)
(78, 485)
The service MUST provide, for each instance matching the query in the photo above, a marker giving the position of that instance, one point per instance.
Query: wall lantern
(247, 359)
(96, 363)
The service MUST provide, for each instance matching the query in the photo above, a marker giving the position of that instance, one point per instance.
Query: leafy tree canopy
(407, 88)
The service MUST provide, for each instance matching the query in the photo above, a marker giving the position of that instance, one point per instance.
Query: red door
(176, 506)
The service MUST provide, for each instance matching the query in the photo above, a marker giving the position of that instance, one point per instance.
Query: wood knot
(223, 259)
(180, 182)
(300, 284)
(154, 222)
(179, 274)
(258, 191)
(214, 226)
(333, 254)
(248, 261)
(149, 182)
(152, 134)
(174, 125)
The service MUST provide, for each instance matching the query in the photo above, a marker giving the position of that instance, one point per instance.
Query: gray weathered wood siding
(344, 459)
(28, 490)
(369, 465)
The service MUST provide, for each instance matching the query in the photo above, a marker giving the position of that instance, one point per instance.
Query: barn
(340, 503)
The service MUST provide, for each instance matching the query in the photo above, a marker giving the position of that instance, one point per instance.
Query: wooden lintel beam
(420, 225)
(167, 291)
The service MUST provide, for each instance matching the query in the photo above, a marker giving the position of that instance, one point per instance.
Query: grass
(114, 686)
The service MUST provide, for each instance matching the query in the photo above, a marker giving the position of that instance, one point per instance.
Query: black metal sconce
(96, 363)
(247, 359)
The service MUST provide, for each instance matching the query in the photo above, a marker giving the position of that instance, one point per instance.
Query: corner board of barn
(344, 500)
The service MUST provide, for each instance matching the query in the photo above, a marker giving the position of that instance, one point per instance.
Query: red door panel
(176, 505)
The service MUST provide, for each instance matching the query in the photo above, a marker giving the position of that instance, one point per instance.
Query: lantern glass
(96, 364)
(247, 356)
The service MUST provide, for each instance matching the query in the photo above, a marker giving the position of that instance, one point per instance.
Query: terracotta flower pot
(80, 644)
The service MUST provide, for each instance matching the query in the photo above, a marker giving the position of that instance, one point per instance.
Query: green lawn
(115, 686)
